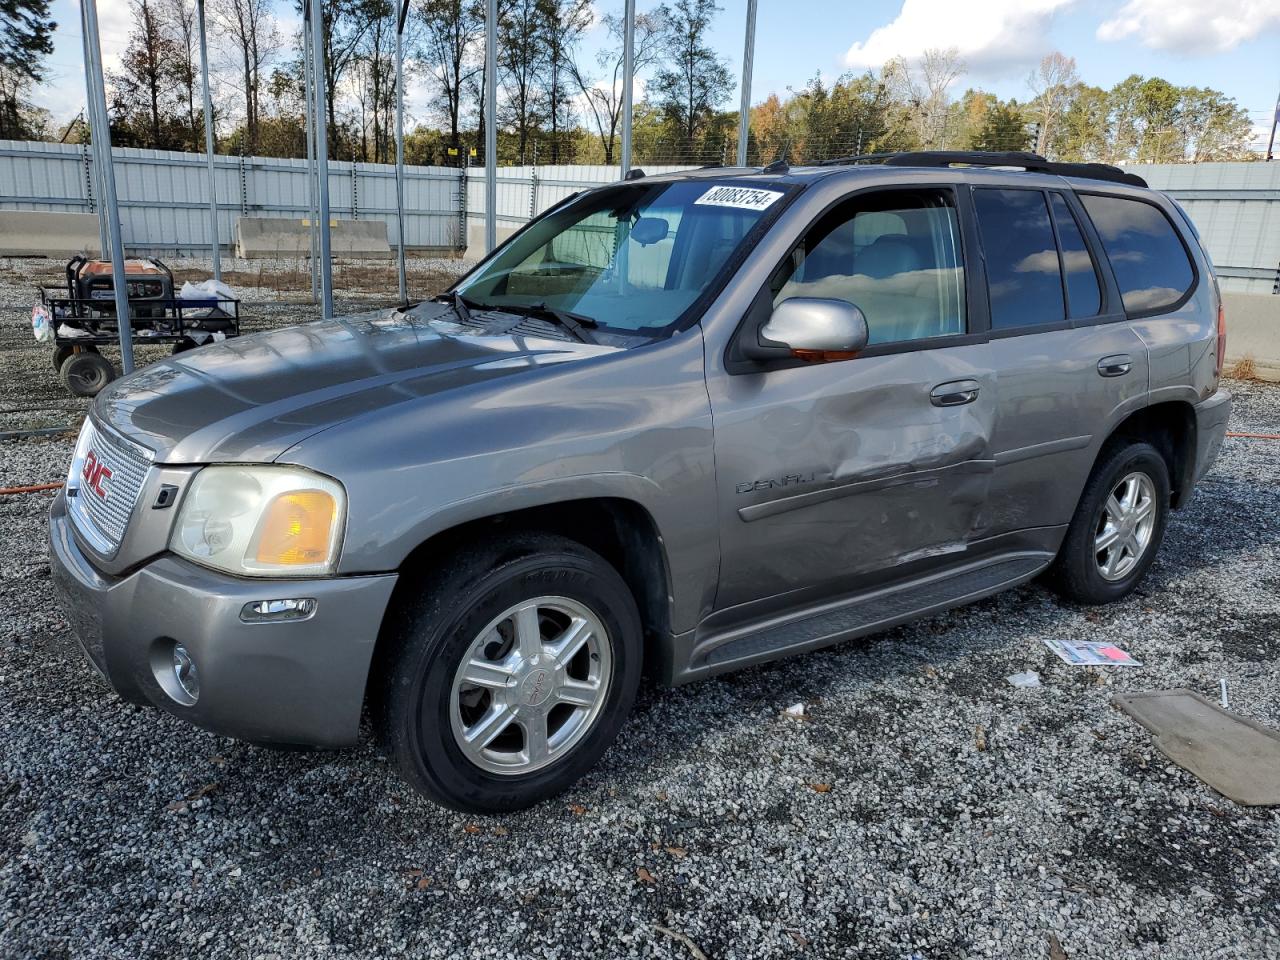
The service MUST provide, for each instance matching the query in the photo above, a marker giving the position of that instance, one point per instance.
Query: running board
(867, 613)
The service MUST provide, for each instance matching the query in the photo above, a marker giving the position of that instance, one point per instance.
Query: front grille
(103, 485)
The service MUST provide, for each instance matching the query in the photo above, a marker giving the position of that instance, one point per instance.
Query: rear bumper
(291, 682)
(1211, 428)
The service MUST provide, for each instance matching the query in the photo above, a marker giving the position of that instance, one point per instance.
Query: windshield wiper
(575, 323)
(459, 304)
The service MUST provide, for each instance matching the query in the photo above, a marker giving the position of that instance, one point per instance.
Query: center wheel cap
(536, 687)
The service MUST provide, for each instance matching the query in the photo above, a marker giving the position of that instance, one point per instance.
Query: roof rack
(1031, 162)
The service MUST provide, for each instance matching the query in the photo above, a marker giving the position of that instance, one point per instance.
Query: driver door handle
(1115, 366)
(954, 393)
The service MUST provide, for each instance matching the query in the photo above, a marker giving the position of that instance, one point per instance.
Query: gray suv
(677, 425)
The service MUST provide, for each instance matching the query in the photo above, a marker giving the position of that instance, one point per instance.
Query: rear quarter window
(1147, 255)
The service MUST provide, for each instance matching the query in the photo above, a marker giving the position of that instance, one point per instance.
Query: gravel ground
(923, 807)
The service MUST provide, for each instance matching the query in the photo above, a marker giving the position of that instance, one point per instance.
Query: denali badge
(790, 479)
(95, 474)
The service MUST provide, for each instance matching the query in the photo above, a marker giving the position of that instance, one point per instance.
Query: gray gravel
(963, 818)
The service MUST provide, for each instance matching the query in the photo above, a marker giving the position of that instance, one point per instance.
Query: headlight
(261, 521)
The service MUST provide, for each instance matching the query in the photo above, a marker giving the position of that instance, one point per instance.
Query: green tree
(1003, 128)
(695, 80)
(26, 38)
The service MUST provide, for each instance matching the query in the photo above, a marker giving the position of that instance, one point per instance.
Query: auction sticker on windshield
(744, 198)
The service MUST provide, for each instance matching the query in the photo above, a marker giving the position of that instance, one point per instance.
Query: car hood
(250, 399)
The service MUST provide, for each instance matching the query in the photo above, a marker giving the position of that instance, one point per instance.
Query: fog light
(271, 611)
(185, 672)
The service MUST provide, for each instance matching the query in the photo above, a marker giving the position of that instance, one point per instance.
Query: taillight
(1222, 337)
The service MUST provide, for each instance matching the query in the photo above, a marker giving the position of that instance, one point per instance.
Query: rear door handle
(954, 393)
(1116, 366)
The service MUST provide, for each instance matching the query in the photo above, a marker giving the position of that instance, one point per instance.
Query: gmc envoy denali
(680, 424)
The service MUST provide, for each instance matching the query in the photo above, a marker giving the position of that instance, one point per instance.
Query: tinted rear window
(1023, 277)
(1146, 254)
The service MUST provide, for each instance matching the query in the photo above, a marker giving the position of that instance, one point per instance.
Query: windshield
(631, 258)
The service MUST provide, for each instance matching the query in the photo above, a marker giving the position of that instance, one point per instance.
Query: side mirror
(813, 329)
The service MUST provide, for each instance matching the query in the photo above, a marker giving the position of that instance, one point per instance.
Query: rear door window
(1084, 297)
(1147, 256)
(1024, 280)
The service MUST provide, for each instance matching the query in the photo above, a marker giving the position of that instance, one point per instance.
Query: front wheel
(506, 678)
(1117, 528)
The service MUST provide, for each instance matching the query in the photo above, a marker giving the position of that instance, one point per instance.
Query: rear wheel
(1117, 528)
(85, 373)
(506, 678)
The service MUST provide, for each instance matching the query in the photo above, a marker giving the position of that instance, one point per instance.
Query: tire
(60, 354)
(86, 373)
(183, 345)
(424, 709)
(1086, 574)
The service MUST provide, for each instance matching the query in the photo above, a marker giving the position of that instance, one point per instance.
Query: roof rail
(1031, 162)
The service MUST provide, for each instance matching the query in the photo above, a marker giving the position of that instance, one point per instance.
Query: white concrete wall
(1253, 332)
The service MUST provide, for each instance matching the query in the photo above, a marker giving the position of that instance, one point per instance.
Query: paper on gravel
(1091, 653)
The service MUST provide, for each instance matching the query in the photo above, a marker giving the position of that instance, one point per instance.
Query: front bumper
(289, 682)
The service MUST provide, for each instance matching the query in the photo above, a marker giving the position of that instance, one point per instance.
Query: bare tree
(565, 22)
(603, 95)
(249, 25)
(374, 81)
(922, 87)
(521, 65)
(452, 43)
(181, 15)
(1052, 83)
(142, 89)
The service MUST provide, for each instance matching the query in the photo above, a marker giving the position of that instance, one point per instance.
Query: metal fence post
(308, 57)
(464, 170)
(355, 192)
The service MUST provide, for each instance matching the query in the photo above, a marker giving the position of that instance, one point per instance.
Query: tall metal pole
(214, 246)
(404, 285)
(316, 15)
(102, 156)
(312, 217)
(490, 125)
(628, 79)
(748, 56)
(95, 175)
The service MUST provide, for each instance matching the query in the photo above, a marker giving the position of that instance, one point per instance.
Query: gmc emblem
(95, 474)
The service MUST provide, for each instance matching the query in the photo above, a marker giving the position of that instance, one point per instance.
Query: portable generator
(148, 281)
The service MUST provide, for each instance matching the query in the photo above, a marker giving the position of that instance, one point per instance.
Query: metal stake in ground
(102, 152)
(214, 246)
(308, 57)
(316, 24)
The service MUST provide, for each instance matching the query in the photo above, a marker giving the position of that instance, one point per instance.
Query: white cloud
(1191, 26)
(993, 36)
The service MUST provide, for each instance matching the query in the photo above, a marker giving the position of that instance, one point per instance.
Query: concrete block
(270, 237)
(475, 238)
(41, 233)
(1253, 332)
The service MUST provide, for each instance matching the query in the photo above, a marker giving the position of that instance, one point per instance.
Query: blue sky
(1231, 45)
